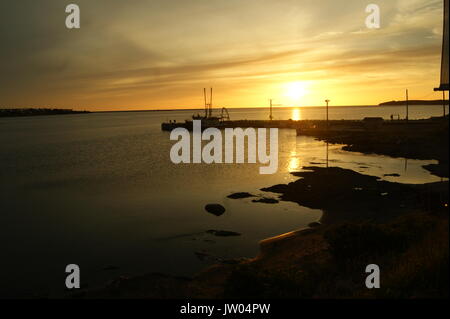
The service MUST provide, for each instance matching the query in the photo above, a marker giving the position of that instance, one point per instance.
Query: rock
(240, 195)
(280, 188)
(266, 200)
(222, 233)
(440, 169)
(215, 209)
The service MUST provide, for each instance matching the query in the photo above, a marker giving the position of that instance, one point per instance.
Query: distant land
(414, 102)
(36, 112)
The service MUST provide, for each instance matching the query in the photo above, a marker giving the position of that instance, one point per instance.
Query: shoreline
(352, 204)
(201, 109)
(295, 250)
(21, 112)
(418, 139)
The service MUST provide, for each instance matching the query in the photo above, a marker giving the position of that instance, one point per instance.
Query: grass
(411, 251)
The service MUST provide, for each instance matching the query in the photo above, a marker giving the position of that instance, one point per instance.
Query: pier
(320, 127)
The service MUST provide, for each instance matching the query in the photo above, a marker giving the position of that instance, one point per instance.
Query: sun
(294, 91)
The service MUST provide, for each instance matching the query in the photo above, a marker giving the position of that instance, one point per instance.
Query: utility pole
(206, 104)
(270, 116)
(327, 101)
(407, 105)
(271, 106)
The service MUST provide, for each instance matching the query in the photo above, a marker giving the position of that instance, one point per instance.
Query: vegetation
(412, 253)
(415, 102)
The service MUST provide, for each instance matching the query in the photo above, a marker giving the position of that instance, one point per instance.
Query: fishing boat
(208, 119)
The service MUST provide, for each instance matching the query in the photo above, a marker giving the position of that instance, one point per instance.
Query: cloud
(134, 53)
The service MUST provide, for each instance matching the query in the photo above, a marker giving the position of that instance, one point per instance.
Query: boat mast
(210, 103)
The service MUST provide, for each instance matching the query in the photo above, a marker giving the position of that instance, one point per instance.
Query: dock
(169, 126)
(320, 127)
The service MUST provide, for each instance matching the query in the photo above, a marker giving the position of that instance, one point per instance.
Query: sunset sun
(294, 91)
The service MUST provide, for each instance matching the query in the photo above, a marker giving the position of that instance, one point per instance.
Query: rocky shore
(420, 139)
(400, 227)
(365, 221)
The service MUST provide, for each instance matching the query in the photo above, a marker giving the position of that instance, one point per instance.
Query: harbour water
(99, 190)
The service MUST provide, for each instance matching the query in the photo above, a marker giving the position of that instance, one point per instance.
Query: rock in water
(266, 200)
(215, 209)
(222, 233)
(240, 195)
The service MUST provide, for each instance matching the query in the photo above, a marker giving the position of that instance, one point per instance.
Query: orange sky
(160, 54)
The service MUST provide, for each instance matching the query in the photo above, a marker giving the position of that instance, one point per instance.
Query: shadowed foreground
(401, 228)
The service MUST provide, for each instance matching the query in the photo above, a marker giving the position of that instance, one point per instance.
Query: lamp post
(407, 105)
(271, 106)
(270, 116)
(327, 101)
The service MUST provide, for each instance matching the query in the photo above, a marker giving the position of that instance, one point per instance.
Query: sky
(160, 54)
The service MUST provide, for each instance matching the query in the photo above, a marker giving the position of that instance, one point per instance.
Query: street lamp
(327, 101)
(272, 105)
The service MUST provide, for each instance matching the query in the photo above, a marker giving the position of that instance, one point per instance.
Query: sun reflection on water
(296, 114)
(294, 162)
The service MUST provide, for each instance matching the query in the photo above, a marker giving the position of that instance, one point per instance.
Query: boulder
(215, 209)
(240, 195)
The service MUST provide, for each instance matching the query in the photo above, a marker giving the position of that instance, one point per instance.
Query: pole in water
(327, 101)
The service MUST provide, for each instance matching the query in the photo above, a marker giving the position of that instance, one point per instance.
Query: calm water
(100, 190)
(319, 113)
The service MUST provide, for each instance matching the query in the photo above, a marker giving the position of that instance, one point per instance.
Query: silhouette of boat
(208, 120)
